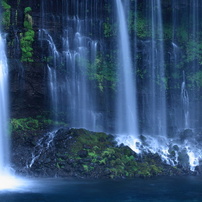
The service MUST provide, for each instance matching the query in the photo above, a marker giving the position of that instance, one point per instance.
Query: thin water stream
(127, 126)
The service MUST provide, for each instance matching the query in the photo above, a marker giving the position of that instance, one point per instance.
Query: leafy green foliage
(194, 51)
(32, 124)
(102, 71)
(27, 9)
(141, 28)
(6, 14)
(182, 34)
(109, 28)
(27, 38)
(167, 32)
(139, 25)
(5, 5)
(196, 79)
(141, 73)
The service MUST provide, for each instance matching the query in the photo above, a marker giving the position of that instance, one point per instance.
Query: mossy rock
(83, 153)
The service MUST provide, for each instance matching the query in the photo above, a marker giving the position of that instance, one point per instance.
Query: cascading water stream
(53, 90)
(156, 140)
(72, 95)
(127, 127)
(8, 180)
(176, 117)
(4, 136)
(194, 23)
(42, 145)
(185, 102)
(156, 82)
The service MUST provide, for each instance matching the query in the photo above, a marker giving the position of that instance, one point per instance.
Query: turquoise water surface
(137, 190)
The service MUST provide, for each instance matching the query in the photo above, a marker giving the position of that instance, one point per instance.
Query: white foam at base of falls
(172, 152)
(130, 141)
(10, 182)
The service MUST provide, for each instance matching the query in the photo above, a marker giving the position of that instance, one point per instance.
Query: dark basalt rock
(85, 154)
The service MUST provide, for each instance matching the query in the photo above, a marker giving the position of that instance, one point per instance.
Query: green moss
(118, 171)
(24, 124)
(102, 161)
(60, 159)
(155, 170)
(109, 152)
(58, 166)
(87, 168)
(32, 124)
(103, 153)
(92, 154)
(143, 170)
(94, 142)
(147, 170)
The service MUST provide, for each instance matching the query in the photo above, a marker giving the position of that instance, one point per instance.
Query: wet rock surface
(84, 154)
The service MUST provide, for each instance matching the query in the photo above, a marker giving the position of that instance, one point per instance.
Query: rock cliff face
(68, 50)
(28, 89)
(29, 80)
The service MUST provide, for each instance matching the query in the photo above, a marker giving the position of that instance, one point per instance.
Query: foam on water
(171, 151)
(10, 182)
(130, 141)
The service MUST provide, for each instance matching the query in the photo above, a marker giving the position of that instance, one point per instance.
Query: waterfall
(72, 94)
(8, 180)
(126, 124)
(43, 143)
(148, 45)
(157, 81)
(185, 102)
(4, 136)
(80, 95)
(155, 104)
(175, 116)
(53, 90)
(194, 22)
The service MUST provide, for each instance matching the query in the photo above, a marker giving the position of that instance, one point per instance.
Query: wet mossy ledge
(79, 153)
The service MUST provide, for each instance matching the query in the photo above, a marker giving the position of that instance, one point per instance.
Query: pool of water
(137, 190)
